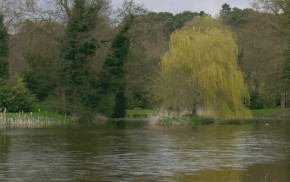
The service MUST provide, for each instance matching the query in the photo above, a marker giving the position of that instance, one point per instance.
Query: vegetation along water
(89, 91)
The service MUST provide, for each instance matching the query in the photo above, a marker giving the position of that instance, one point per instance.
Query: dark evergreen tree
(226, 9)
(41, 76)
(167, 18)
(112, 79)
(182, 18)
(235, 16)
(4, 65)
(77, 50)
(175, 22)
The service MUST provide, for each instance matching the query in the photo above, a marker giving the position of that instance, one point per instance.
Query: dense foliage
(76, 58)
(4, 64)
(39, 80)
(235, 16)
(201, 72)
(16, 98)
(174, 22)
(261, 61)
(77, 50)
(112, 79)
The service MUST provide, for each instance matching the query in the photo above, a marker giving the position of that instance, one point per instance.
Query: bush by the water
(167, 118)
(16, 98)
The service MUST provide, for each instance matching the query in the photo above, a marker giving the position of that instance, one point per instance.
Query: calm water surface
(134, 151)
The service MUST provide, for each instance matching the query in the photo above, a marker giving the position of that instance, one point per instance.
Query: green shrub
(16, 98)
(171, 120)
(201, 120)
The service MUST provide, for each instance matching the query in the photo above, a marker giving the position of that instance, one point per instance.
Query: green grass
(184, 120)
(43, 112)
(33, 119)
(168, 119)
(201, 120)
(272, 112)
(43, 115)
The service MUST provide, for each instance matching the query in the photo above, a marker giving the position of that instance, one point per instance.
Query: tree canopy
(234, 16)
(174, 22)
(77, 50)
(80, 57)
(112, 79)
(4, 49)
(202, 64)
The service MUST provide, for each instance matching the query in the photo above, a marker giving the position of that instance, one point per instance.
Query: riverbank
(166, 118)
(43, 117)
(272, 113)
(171, 119)
(33, 119)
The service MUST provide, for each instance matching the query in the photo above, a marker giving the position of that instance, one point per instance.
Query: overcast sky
(176, 6)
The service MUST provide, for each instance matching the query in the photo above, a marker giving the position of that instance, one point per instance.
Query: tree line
(80, 57)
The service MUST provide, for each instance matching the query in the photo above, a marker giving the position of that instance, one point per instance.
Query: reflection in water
(4, 151)
(221, 175)
(130, 151)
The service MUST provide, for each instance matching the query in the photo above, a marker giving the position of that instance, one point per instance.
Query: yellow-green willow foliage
(200, 71)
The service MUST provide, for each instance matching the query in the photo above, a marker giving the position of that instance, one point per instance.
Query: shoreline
(46, 118)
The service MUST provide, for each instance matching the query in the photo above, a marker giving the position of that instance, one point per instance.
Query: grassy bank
(184, 120)
(168, 118)
(33, 119)
(42, 117)
(45, 116)
(272, 112)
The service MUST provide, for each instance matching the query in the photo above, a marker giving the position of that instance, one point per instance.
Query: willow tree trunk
(194, 111)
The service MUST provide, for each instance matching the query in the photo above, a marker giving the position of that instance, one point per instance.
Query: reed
(165, 117)
(168, 118)
(30, 120)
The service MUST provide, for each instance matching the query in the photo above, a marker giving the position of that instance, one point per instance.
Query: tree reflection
(5, 143)
(225, 174)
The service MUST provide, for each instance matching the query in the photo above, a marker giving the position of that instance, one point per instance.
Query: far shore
(44, 118)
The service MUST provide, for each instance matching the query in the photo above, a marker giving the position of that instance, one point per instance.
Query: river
(134, 151)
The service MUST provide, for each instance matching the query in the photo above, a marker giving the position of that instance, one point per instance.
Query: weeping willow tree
(200, 72)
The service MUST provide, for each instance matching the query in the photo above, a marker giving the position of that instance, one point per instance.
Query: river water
(134, 151)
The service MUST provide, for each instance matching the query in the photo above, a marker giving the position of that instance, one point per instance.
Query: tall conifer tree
(77, 50)
(112, 79)
(4, 49)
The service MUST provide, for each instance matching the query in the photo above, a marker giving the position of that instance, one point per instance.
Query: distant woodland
(81, 57)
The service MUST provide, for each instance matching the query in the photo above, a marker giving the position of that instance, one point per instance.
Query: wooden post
(286, 99)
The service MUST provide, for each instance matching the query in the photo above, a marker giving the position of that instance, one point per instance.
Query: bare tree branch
(64, 4)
